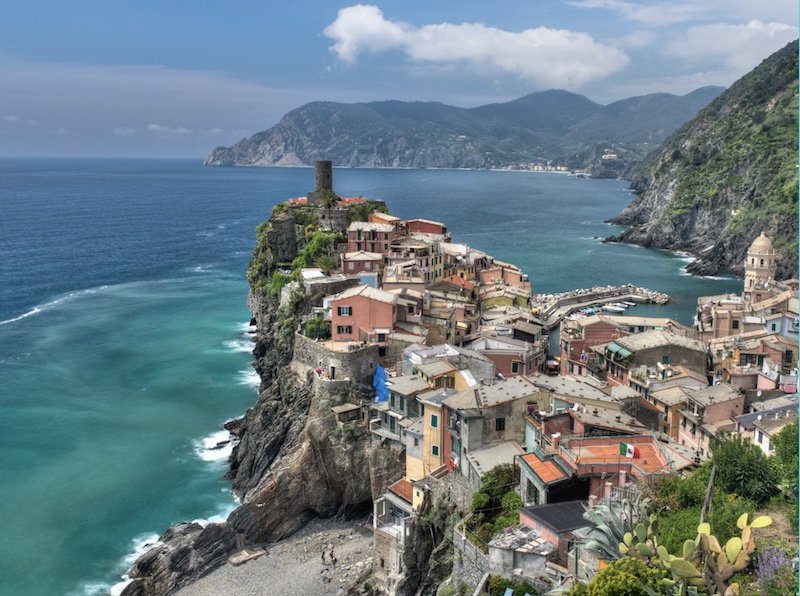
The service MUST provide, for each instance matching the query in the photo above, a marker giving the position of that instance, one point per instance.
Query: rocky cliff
(550, 125)
(292, 461)
(726, 176)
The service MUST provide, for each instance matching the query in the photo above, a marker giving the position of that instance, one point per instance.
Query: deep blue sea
(123, 344)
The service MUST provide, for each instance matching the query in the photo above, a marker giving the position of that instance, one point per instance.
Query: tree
(743, 469)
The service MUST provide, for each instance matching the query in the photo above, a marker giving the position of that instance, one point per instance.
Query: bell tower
(759, 269)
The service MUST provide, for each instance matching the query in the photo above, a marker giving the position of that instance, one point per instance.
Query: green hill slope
(725, 176)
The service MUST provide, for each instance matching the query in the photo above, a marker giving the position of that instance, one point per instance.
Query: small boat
(613, 308)
(628, 303)
(621, 305)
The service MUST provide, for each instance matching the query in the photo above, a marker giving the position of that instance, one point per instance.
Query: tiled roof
(403, 489)
(547, 470)
(369, 226)
(606, 451)
(367, 292)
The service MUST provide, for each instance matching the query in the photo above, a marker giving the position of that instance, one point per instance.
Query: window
(391, 399)
(735, 324)
(344, 311)
(514, 368)
(351, 266)
(416, 442)
(402, 403)
(381, 337)
(760, 437)
(411, 309)
(773, 326)
(434, 421)
(434, 450)
(344, 329)
(386, 237)
(665, 360)
(499, 424)
(683, 421)
(385, 246)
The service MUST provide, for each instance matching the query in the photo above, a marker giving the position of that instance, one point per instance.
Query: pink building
(425, 226)
(356, 262)
(502, 272)
(370, 237)
(363, 314)
(708, 412)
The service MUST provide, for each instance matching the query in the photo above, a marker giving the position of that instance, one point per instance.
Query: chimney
(323, 175)
(607, 490)
(555, 439)
(623, 478)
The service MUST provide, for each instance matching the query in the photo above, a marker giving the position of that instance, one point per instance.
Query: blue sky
(177, 78)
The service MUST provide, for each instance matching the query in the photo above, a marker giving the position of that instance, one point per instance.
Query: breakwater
(552, 308)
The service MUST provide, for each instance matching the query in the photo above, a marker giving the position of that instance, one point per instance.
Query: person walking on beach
(323, 556)
(332, 557)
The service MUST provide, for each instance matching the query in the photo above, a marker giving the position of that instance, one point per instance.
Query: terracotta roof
(547, 470)
(403, 489)
(606, 451)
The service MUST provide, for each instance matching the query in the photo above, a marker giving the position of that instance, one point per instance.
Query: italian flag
(628, 450)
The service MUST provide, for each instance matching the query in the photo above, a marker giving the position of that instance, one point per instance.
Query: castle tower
(323, 178)
(759, 268)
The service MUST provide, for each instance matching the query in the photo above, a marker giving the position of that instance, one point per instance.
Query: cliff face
(550, 125)
(292, 462)
(726, 176)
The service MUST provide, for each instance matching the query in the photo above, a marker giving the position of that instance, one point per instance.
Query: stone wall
(358, 365)
(470, 564)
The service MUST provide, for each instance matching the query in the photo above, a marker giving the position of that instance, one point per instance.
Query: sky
(177, 78)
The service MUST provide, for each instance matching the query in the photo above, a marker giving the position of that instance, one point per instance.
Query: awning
(623, 353)
(613, 348)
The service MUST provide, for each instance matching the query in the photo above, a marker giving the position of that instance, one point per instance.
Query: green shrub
(624, 577)
(511, 502)
(480, 502)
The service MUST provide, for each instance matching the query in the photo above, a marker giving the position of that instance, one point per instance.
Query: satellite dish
(759, 417)
(758, 393)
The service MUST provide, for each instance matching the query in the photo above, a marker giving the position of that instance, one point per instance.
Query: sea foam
(249, 377)
(244, 345)
(217, 446)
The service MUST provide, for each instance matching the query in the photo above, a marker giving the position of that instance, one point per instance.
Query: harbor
(553, 308)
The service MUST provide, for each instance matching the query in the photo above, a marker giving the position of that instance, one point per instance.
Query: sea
(125, 343)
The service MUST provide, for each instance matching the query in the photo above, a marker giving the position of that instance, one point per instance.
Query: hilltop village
(464, 378)
(491, 432)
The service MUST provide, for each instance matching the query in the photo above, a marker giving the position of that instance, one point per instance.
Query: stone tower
(759, 268)
(323, 178)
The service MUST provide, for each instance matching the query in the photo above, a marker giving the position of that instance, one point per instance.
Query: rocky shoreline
(294, 566)
(289, 467)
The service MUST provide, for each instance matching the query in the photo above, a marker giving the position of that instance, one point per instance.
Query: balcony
(376, 427)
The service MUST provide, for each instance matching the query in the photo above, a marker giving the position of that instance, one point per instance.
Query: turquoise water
(123, 343)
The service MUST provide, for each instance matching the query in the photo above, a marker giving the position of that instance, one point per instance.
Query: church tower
(759, 269)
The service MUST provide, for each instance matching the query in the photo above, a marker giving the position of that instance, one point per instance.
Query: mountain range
(726, 176)
(554, 126)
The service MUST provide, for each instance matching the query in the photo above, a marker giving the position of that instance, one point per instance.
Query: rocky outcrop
(540, 127)
(726, 176)
(292, 462)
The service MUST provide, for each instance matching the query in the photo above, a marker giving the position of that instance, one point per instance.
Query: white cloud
(548, 57)
(653, 14)
(662, 13)
(10, 119)
(168, 130)
(741, 47)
